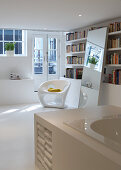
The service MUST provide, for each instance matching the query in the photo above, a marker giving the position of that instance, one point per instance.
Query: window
(17, 36)
(52, 53)
(38, 55)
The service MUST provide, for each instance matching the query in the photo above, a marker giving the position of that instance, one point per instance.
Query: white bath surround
(80, 147)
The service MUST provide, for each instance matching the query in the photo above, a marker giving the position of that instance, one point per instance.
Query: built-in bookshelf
(113, 57)
(75, 52)
(75, 59)
(74, 73)
(73, 36)
(73, 48)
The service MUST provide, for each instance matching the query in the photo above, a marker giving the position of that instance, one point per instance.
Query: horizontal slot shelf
(114, 49)
(114, 33)
(72, 53)
(74, 65)
(16, 80)
(113, 65)
(76, 40)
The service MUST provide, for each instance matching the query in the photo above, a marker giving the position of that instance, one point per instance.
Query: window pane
(1, 48)
(38, 61)
(52, 56)
(8, 35)
(1, 34)
(52, 68)
(18, 35)
(38, 53)
(38, 69)
(51, 43)
(18, 48)
(38, 44)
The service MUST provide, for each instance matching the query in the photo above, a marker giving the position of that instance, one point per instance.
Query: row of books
(114, 43)
(115, 77)
(75, 47)
(114, 58)
(94, 28)
(116, 26)
(76, 35)
(75, 73)
(75, 60)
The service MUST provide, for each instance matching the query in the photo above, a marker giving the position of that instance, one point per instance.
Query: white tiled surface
(17, 136)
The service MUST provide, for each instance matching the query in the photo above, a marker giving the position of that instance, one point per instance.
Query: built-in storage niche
(75, 51)
(113, 58)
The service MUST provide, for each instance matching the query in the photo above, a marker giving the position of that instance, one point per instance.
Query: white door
(46, 59)
(53, 57)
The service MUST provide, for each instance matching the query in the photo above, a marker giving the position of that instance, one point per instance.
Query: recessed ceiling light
(80, 15)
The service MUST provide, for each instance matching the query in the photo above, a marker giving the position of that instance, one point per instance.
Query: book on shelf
(116, 26)
(75, 60)
(76, 35)
(114, 43)
(95, 28)
(75, 73)
(75, 47)
(115, 77)
(69, 36)
(114, 58)
(68, 48)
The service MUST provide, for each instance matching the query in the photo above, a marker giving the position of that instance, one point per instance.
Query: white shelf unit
(74, 65)
(74, 53)
(79, 54)
(114, 49)
(24, 79)
(111, 67)
(18, 91)
(114, 33)
(76, 40)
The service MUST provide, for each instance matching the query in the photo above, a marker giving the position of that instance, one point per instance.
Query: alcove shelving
(113, 56)
(75, 52)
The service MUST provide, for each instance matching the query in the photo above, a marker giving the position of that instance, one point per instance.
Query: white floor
(17, 136)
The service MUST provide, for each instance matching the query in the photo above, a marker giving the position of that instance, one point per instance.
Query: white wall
(21, 65)
(21, 92)
(17, 91)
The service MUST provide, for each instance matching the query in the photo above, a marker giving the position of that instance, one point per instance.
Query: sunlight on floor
(31, 108)
(17, 136)
(9, 111)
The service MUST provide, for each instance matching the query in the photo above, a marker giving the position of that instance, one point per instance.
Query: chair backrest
(58, 84)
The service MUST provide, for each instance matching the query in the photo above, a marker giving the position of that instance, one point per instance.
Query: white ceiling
(57, 14)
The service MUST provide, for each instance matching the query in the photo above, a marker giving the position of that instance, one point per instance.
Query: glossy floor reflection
(17, 136)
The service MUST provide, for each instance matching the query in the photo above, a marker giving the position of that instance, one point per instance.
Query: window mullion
(3, 42)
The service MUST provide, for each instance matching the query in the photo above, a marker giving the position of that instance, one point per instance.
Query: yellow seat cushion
(54, 90)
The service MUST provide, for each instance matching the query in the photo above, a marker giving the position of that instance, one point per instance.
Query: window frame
(56, 50)
(23, 42)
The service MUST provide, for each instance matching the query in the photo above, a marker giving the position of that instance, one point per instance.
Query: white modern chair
(53, 99)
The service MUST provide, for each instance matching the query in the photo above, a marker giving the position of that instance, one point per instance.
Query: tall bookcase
(75, 52)
(113, 58)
